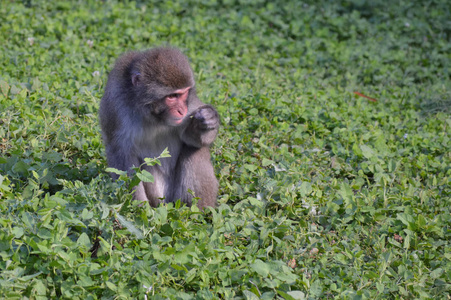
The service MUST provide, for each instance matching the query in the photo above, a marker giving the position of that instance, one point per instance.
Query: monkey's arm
(201, 127)
(120, 158)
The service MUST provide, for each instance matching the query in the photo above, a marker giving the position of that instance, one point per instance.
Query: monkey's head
(162, 80)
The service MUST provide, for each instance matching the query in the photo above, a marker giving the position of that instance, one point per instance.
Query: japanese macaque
(150, 104)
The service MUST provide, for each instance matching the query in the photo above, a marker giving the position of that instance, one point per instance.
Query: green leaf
(86, 215)
(21, 167)
(85, 281)
(111, 286)
(190, 275)
(437, 273)
(4, 86)
(161, 215)
(116, 171)
(316, 288)
(29, 277)
(145, 176)
(130, 227)
(298, 295)
(249, 295)
(292, 295)
(367, 151)
(407, 219)
(165, 153)
(83, 240)
(40, 288)
(260, 267)
(305, 189)
(18, 232)
(251, 168)
(267, 162)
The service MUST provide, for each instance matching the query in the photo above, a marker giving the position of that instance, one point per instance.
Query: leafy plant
(323, 193)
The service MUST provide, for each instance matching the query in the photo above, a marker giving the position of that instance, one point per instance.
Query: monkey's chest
(151, 143)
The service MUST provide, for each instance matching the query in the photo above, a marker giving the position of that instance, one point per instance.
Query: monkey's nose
(182, 111)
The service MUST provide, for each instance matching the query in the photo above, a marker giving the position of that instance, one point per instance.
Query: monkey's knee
(139, 193)
(206, 189)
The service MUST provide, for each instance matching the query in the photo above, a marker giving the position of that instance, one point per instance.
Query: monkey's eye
(173, 96)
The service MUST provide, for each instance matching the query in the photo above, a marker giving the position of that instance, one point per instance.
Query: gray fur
(134, 126)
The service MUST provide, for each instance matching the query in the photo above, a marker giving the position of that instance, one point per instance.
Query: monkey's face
(171, 108)
(156, 101)
(176, 105)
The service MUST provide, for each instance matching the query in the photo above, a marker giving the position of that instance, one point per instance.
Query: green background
(323, 194)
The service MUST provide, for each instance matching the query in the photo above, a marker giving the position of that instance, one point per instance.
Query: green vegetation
(323, 193)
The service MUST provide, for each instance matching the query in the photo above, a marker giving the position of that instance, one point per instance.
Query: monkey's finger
(210, 123)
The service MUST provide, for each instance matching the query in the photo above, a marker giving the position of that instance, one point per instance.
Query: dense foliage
(323, 193)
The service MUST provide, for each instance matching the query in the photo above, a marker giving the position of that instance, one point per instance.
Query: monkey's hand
(202, 127)
(206, 118)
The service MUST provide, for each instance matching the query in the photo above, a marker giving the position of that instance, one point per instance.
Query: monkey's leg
(140, 193)
(194, 171)
(118, 159)
(155, 190)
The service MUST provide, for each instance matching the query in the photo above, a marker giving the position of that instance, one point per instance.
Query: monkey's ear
(136, 78)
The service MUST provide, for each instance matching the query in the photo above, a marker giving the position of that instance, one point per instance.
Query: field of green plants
(324, 193)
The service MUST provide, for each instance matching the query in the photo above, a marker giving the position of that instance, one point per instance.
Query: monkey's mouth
(177, 120)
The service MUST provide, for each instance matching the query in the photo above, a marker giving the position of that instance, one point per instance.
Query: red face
(176, 104)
